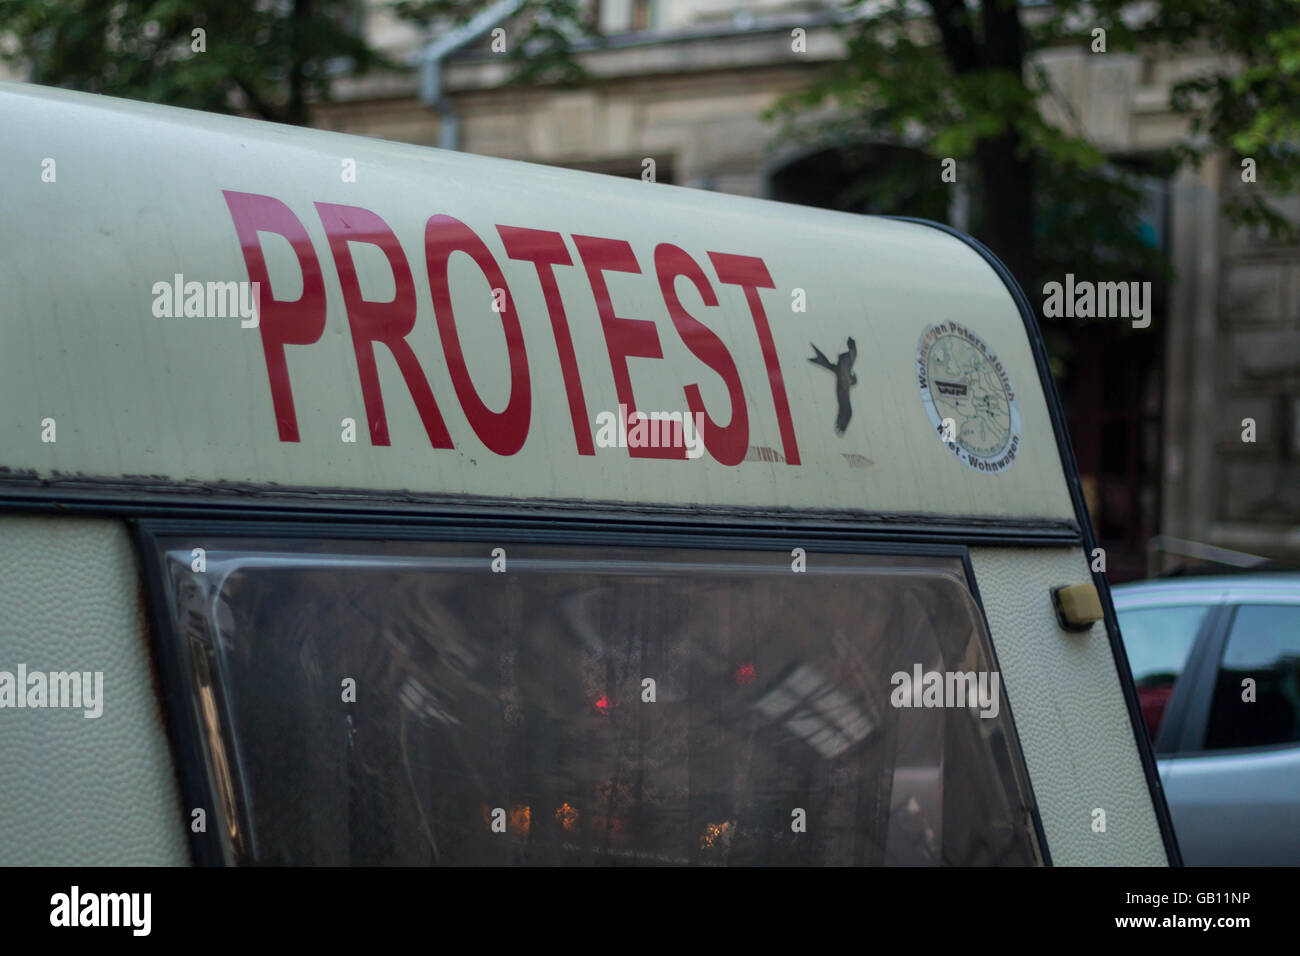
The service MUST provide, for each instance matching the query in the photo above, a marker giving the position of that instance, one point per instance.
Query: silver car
(1216, 661)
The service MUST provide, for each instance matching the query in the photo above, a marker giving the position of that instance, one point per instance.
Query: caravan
(367, 584)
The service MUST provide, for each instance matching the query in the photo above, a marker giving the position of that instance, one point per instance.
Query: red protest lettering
(546, 250)
(388, 323)
(624, 338)
(751, 274)
(281, 322)
(503, 432)
(728, 444)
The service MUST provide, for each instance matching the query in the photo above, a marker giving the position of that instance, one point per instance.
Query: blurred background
(1157, 141)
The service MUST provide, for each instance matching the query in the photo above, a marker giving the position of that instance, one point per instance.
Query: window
(1264, 647)
(642, 15)
(595, 704)
(1157, 641)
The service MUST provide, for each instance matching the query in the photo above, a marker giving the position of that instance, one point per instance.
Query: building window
(642, 15)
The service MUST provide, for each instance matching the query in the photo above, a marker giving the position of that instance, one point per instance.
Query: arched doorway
(870, 178)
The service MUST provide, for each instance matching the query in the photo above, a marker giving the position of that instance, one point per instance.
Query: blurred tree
(959, 80)
(950, 78)
(267, 57)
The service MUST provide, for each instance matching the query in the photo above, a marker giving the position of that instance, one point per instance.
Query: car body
(1199, 649)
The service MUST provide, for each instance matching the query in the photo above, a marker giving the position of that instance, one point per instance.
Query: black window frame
(185, 736)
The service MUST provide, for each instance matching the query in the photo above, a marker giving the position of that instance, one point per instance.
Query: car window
(1257, 693)
(1158, 641)
(384, 702)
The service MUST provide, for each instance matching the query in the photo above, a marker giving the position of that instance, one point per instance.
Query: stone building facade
(1156, 421)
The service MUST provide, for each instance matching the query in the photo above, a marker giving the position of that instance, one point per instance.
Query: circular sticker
(969, 397)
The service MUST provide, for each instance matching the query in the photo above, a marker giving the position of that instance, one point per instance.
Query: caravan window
(469, 703)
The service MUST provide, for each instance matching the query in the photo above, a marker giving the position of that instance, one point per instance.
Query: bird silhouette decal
(844, 380)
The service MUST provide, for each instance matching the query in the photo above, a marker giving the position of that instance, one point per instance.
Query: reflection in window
(1157, 641)
(1264, 648)
(593, 706)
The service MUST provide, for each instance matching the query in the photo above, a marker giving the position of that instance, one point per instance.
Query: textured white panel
(79, 791)
(1069, 711)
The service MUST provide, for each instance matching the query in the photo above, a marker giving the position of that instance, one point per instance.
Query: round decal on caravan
(968, 396)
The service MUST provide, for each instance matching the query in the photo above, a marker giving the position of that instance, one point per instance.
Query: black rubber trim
(1071, 469)
(182, 724)
(360, 507)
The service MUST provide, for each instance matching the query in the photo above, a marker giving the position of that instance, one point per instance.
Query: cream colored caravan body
(224, 331)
